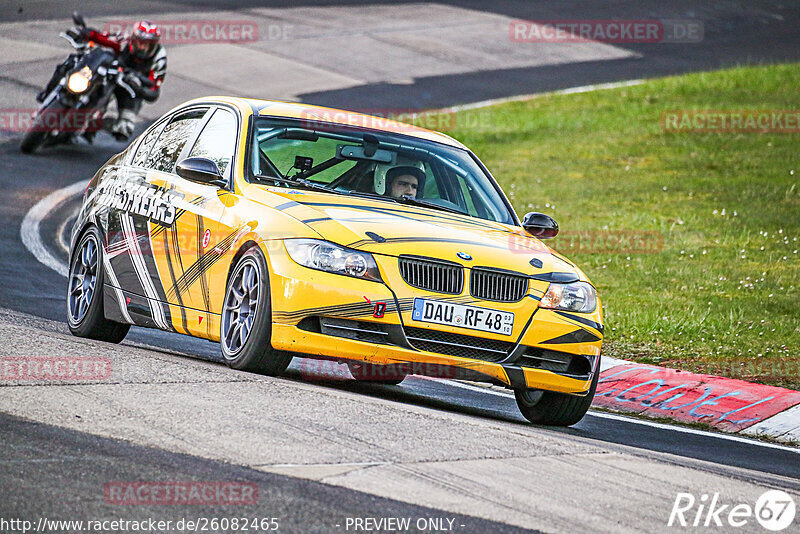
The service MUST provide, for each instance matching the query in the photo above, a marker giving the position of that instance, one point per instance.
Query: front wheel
(246, 325)
(38, 131)
(85, 294)
(556, 409)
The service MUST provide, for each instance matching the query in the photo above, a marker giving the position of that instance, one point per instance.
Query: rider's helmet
(144, 39)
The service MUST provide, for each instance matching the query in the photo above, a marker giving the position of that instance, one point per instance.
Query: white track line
(29, 231)
(525, 98)
(695, 431)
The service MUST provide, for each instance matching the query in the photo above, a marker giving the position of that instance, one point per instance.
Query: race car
(281, 229)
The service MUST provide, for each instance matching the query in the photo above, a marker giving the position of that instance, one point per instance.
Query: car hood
(393, 229)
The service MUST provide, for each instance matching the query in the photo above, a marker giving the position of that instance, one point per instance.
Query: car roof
(320, 114)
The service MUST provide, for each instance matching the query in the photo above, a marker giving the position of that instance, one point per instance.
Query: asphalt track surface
(42, 458)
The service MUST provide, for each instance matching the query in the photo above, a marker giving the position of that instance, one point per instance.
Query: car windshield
(386, 166)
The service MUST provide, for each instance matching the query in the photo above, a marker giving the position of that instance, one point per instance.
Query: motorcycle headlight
(332, 258)
(79, 80)
(575, 297)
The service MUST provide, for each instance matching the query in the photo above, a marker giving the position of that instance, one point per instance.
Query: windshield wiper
(405, 199)
(317, 186)
(300, 183)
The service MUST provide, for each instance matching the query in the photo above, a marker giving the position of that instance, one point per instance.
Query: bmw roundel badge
(464, 256)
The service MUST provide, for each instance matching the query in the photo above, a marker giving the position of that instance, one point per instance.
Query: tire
(37, 134)
(555, 409)
(390, 375)
(246, 322)
(32, 139)
(85, 314)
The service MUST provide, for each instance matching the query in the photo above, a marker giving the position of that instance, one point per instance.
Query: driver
(406, 180)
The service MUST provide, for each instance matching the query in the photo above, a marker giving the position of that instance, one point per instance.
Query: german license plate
(472, 317)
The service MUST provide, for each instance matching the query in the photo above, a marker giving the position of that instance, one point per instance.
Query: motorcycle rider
(145, 64)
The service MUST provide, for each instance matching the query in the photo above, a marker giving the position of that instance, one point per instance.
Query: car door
(209, 237)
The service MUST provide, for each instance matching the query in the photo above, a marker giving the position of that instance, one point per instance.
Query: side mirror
(540, 225)
(77, 18)
(201, 170)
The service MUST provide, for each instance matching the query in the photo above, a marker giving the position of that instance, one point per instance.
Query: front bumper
(341, 318)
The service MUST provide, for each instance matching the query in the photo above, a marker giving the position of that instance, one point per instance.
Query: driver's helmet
(382, 168)
(144, 39)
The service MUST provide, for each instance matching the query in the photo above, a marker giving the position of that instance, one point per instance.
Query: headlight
(331, 258)
(78, 81)
(575, 297)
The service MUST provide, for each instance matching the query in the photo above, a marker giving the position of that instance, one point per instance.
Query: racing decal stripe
(450, 218)
(582, 320)
(117, 247)
(161, 228)
(577, 336)
(558, 277)
(175, 248)
(339, 310)
(427, 240)
(202, 272)
(141, 271)
(359, 309)
(203, 263)
(168, 257)
(286, 205)
(114, 285)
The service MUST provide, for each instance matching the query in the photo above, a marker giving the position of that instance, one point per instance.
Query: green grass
(723, 295)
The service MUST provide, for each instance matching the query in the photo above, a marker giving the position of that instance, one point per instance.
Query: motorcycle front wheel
(38, 131)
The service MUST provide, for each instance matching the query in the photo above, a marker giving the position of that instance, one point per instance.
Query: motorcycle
(77, 103)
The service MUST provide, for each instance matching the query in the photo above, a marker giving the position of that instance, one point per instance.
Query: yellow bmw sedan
(283, 229)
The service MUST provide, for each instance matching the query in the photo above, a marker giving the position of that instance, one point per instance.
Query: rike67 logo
(774, 510)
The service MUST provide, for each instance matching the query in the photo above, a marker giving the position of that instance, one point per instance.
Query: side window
(146, 145)
(431, 185)
(165, 153)
(217, 141)
(468, 193)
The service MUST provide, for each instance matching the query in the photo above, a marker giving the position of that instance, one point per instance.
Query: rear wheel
(556, 409)
(85, 294)
(382, 374)
(246, 325)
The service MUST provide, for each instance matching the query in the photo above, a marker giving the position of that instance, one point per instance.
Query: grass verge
(718, 290)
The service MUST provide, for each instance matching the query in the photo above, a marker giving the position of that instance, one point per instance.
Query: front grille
(432, 275)
(490, 350)
(497, 285)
